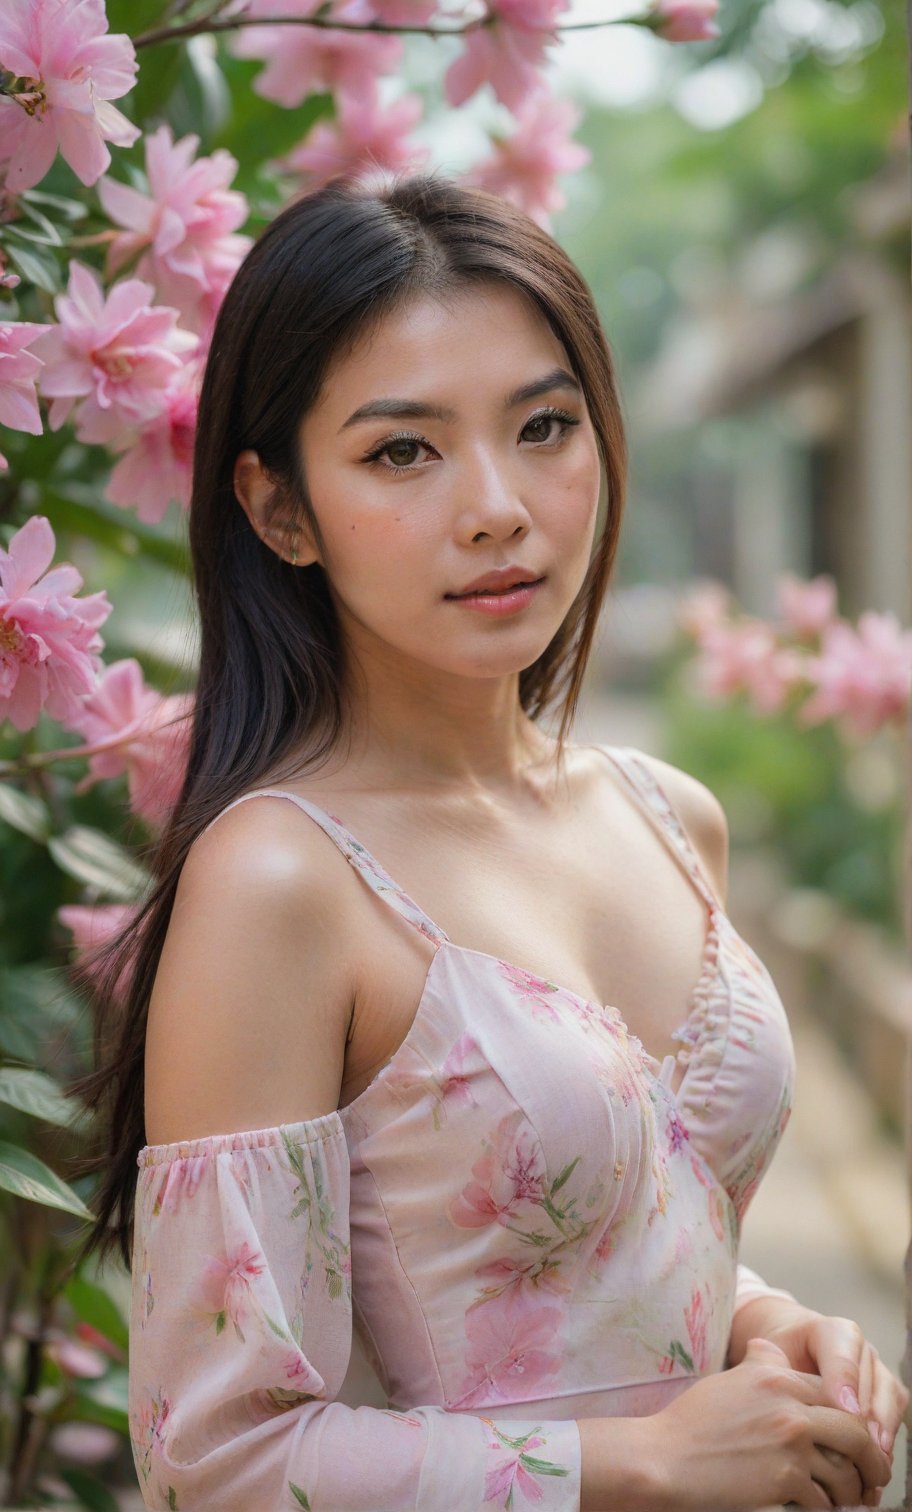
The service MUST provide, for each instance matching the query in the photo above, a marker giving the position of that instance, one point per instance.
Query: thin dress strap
(655, 801)
(378, 880)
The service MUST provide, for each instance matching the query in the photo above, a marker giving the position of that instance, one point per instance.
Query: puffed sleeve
(240, 1335)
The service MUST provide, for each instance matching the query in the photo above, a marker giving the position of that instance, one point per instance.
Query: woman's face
(415, 506)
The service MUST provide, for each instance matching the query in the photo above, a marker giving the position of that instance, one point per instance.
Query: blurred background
(745, 226)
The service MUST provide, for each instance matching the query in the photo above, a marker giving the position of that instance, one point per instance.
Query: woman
(408, 486)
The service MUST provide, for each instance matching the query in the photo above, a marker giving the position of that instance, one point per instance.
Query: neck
(412, 726)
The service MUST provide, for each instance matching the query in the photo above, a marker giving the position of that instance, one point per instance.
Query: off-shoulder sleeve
(240, 1333)
(751, 1285)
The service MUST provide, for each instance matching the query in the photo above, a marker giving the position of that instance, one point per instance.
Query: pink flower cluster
(19, 369)
(49, 640)
(859, 676)
(185, 226)
(66, 73)
(135, 730)
(117, 363)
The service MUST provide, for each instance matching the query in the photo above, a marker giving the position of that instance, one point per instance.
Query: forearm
(753, 1319)
(619, 1470)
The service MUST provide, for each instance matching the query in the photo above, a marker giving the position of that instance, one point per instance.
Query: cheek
(577, 495)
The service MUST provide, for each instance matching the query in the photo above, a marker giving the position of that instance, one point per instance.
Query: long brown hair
(270, 686)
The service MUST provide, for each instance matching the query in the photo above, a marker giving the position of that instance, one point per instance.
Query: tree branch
(212, 23)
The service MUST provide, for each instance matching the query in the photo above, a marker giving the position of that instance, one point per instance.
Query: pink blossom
(362, 137)
(806, 607)
(301, 60)
(745, 656)
(85, 1443)
(510, 1473)
(91, 926)
(534, 988)
(538, 1272)
(686, 20)
(18, 370)
(66, 73)
(186, 220)
(395, 12)
(696, 1319)
(455, 1084)
(76, 1359)
(49, 641)
(153, 732)
(862, 675)
(509, 1346)
(226, 1283)
(510, 1173)
(157, 465)
(509, 54)
(707, 604)
(524, 166)
(116, 355)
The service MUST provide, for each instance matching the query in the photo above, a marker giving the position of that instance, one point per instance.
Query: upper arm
(701, 814)
(252, 998)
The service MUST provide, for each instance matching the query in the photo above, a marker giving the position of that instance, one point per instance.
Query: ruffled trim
(700, 1022)
(304, 1131)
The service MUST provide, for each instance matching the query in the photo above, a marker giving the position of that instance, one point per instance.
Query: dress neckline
(648, 792)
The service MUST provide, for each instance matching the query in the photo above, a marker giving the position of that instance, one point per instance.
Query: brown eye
(544, 421)
(398, 451)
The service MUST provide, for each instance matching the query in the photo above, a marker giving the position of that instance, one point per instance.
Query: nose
(493, 509)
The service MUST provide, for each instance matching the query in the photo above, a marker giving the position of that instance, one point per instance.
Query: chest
(596, 902)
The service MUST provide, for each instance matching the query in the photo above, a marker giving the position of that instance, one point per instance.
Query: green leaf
(299, 1495)
(95, 1306)
(100, 521)
(37, 1002)
(37, 1093)
(92, 1493)
(68, 208)
(94, 858)
(543, 1467)
(23, 1174)
(45, 235)
(201, 101)
(104, 1400)
(36, 267)
(25, 812)
(559, 1180)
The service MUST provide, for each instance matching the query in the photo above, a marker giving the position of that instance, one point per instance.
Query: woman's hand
(854, 1376)
(758, 1435)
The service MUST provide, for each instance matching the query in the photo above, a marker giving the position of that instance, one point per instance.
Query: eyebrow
(416, 409)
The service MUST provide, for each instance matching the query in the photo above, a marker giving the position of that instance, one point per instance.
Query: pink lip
(506, 601)
(498, 580)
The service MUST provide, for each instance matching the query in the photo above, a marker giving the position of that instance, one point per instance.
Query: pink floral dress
(518, 1217)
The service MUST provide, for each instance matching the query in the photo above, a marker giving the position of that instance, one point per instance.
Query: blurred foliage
(804, 793)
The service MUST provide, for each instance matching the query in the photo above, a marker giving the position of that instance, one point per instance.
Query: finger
(890, 1401)
(838, 1475)
(866, 1375)
(838, 1344)
(849, 1434)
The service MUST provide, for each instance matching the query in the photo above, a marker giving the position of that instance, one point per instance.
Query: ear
(255, 490)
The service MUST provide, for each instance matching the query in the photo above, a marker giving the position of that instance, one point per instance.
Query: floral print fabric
(520, 1219)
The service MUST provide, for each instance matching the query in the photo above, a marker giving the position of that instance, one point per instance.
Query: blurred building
(798, 376)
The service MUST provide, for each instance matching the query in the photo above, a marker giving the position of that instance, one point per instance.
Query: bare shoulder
(253, 994)
(701, 814)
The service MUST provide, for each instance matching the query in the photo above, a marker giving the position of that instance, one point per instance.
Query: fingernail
(886, 1441)
(849, 1400)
